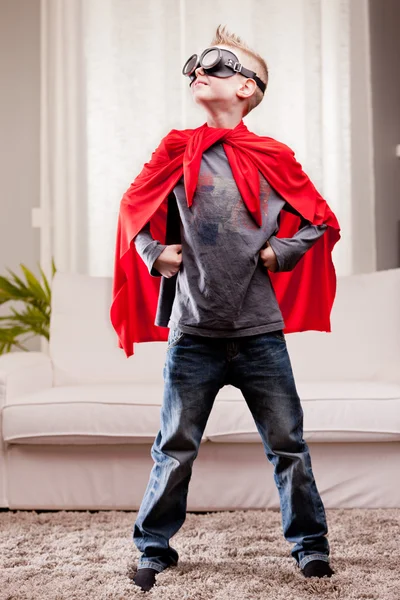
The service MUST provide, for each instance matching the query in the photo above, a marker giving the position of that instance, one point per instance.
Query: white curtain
(63, 216)
(113, 87)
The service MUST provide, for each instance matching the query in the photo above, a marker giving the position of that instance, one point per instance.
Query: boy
(216, 297)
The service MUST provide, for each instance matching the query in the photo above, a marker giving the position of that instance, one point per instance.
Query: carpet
(236, 555)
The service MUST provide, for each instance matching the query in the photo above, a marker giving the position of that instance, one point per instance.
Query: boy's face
(222, 93)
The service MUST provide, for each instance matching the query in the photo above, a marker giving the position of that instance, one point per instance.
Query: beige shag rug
(240, 555)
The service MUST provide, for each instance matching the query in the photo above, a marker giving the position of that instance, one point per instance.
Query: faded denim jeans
(196, 368)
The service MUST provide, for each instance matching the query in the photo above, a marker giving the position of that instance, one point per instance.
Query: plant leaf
(53, 266)
(18, 280)
(46, 284)
(34, 285)
(8, 339)
(10, 291)
(35, 318)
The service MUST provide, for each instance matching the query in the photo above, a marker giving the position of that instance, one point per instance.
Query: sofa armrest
(24, 373)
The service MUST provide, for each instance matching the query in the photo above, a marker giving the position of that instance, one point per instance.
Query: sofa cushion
(99, 413)
(128, 414)
(334, 411)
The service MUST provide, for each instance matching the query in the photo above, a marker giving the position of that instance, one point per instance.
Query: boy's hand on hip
(169, 261)
(268, 258)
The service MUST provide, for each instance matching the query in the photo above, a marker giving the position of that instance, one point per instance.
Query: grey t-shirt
(222, 288)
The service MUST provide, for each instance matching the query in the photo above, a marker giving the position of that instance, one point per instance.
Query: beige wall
(361, 150)
(19, 139)
(385, 55)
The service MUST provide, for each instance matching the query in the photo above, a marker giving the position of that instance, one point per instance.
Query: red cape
(305, 294)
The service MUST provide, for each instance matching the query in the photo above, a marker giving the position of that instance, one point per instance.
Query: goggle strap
(236, 66)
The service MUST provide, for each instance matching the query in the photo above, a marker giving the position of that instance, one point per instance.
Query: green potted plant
(34, 318)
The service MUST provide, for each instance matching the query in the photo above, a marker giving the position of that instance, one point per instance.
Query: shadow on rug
(238, 555)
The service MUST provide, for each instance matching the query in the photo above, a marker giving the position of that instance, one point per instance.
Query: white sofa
(77, 425)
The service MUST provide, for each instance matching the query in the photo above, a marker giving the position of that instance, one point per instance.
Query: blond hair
(256, 62)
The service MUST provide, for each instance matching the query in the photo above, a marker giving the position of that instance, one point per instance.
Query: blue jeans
(196, 368)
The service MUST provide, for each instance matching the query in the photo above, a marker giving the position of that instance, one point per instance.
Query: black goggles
(218, 62)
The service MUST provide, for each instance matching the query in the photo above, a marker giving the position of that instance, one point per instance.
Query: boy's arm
(289, 251)
(148, 248)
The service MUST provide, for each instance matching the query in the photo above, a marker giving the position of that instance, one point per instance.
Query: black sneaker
(317, 568)
(145, 578)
